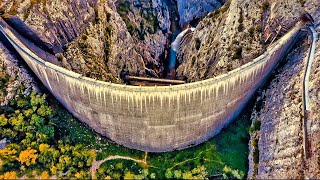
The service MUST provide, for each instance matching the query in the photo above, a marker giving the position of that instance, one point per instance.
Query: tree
(129, 175)
(17, 121)
(53, 169)
(177, 174)
(28, 156)
(3, 120)
(37, 120)
(9, 175)
(187, 175)
(152, 175)
(231, 173)
(43, 148)
(168, 174)
(44, 111)
(10, 152)
(36, 100)
(44, 175)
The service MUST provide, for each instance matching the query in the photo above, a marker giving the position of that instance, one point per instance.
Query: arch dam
(154, 119)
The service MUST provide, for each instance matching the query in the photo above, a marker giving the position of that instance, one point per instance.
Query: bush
(265, 5)
(255, 126)
(198, 43)
(238, 53)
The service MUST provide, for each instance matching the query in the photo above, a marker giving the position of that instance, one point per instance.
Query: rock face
(55, 22)
(148, 22)
(281, 136)
(196, 9)
(235, 34)
(99, 38)
(96, 38)
(12, 77)
(105, 48)
(223, 40)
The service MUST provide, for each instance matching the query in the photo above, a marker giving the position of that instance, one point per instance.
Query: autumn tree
(28, 157)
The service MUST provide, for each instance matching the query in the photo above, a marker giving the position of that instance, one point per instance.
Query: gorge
(226, 57)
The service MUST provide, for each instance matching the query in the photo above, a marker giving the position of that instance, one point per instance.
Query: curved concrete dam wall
(155, 119)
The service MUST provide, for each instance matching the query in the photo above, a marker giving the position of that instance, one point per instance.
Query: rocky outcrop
(223, 40)
(148, 22)
(281, 153)
(235, 34)
(13, 78)
(196, 9)
(105, 48)
(281, 136)
(56, 22)
(96, 38)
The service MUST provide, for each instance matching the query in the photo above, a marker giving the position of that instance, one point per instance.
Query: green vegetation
(265, 5)
(302, 2)
(255, 126)
(4, 80)
(198, 43)
(237, 53)
(35, 146)
(240, 27)
(47, 141)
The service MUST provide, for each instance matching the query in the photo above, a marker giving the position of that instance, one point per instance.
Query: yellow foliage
(67, 159)
(78, 175)
(53, 170)
(44, 175)
(22, 168)
(9, 175)
(92, 154)
(28, 156)
(8, 153)
(108, 178)
(43, 147)
(128, 175)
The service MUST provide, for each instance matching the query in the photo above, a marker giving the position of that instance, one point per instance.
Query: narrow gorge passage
(175, 31)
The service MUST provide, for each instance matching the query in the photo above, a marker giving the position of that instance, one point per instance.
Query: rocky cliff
(223, 40)
(196, 9)
(277, 147)
(148, 22)
(93, 37)
(281, 135)
(234, 35)
(13, 77)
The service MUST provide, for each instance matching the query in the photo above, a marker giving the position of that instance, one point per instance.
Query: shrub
(238, 53)
(198, 43)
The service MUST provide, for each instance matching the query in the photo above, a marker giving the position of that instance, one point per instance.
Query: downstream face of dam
(155, 119)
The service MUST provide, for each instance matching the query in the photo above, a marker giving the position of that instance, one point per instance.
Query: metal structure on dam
(154, 119)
